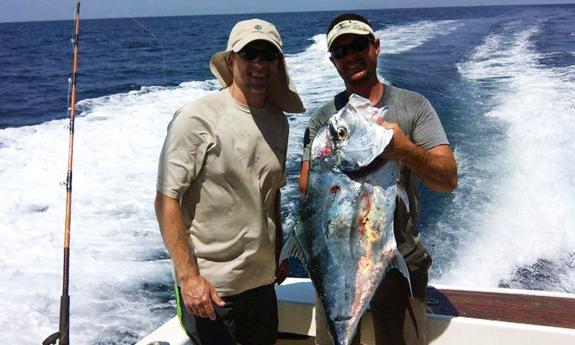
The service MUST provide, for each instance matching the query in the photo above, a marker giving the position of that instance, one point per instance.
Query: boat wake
(525, 227)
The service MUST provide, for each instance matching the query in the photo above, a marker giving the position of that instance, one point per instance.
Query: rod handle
(64, 320)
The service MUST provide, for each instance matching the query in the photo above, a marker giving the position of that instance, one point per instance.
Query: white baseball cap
(354, 27)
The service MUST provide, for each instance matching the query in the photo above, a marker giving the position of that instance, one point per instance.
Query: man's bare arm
(435, 167)
(197, 292)
(173, 230)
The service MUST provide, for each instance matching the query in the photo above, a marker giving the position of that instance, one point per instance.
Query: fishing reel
(52, 339)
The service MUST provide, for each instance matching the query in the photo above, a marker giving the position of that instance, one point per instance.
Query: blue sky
(38, 10)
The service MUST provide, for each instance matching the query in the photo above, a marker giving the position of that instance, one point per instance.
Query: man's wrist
(188, 274)
(406, 151)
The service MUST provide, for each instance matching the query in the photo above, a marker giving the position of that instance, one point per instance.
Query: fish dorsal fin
(398, 262)
(291, 249)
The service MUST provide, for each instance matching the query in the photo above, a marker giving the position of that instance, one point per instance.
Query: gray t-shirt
(225, 162)
(419, 121)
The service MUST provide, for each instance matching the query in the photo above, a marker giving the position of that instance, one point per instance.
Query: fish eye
(341, 133)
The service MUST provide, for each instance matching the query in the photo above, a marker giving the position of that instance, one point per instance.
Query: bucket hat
(283, 92)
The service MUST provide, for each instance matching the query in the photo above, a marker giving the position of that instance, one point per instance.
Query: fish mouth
(339, 146)
(340, 154)
(362, 172)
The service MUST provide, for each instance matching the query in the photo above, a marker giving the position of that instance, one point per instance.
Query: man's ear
(376, 45)
(230, 61)
(332, 61)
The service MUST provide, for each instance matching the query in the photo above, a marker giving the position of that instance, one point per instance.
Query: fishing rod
(62, 337)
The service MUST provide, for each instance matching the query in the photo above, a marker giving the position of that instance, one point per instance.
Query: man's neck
(251, 100)
(373, 90)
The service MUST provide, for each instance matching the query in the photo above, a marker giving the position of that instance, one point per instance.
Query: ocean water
(501, 78)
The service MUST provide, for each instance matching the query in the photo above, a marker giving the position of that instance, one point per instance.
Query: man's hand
(198, 295)
(435, 167)
(399, 144)
(282, 271)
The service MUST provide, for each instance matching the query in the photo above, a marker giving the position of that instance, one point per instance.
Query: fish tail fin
(398, 262)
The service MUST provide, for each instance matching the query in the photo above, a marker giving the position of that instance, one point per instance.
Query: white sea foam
(115, 240)
(531, 211)
(114, 234)
(401, 38)
(317, 81)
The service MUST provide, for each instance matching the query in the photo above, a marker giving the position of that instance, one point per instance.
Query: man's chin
(259, 89)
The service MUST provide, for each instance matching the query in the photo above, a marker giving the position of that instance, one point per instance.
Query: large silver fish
(345, 235)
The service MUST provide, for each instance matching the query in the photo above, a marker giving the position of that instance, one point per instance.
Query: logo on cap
(258, 27)
(344, 25)
(348, 24)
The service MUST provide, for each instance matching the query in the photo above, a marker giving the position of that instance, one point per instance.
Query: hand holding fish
(198, 295)
(435, 167)
(399, 145)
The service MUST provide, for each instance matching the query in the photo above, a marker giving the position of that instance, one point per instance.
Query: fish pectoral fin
(398, 262)
(291, 249)
(403, 196)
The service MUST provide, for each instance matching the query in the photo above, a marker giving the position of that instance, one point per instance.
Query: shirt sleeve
(428, 131)
(188, 140)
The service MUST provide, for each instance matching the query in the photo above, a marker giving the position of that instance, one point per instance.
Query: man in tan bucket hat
(217, 201)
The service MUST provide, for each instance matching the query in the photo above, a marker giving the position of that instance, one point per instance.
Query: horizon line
(275, 12)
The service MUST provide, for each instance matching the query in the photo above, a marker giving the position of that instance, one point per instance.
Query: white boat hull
(296, 315)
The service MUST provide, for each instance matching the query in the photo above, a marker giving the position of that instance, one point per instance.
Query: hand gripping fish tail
(344, 235)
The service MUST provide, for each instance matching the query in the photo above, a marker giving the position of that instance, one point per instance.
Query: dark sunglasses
(357, 45)
(251, 53)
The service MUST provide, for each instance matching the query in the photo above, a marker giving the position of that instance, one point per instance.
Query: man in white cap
(217, 202)
(420, 145)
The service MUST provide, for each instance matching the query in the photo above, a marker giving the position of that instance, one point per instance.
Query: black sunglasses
(251, 53)
(356, 45)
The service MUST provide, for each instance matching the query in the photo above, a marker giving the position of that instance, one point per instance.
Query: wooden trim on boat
(510, 307)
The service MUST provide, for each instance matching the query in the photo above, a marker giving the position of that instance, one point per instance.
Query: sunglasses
(356, 45)
(250, 53)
